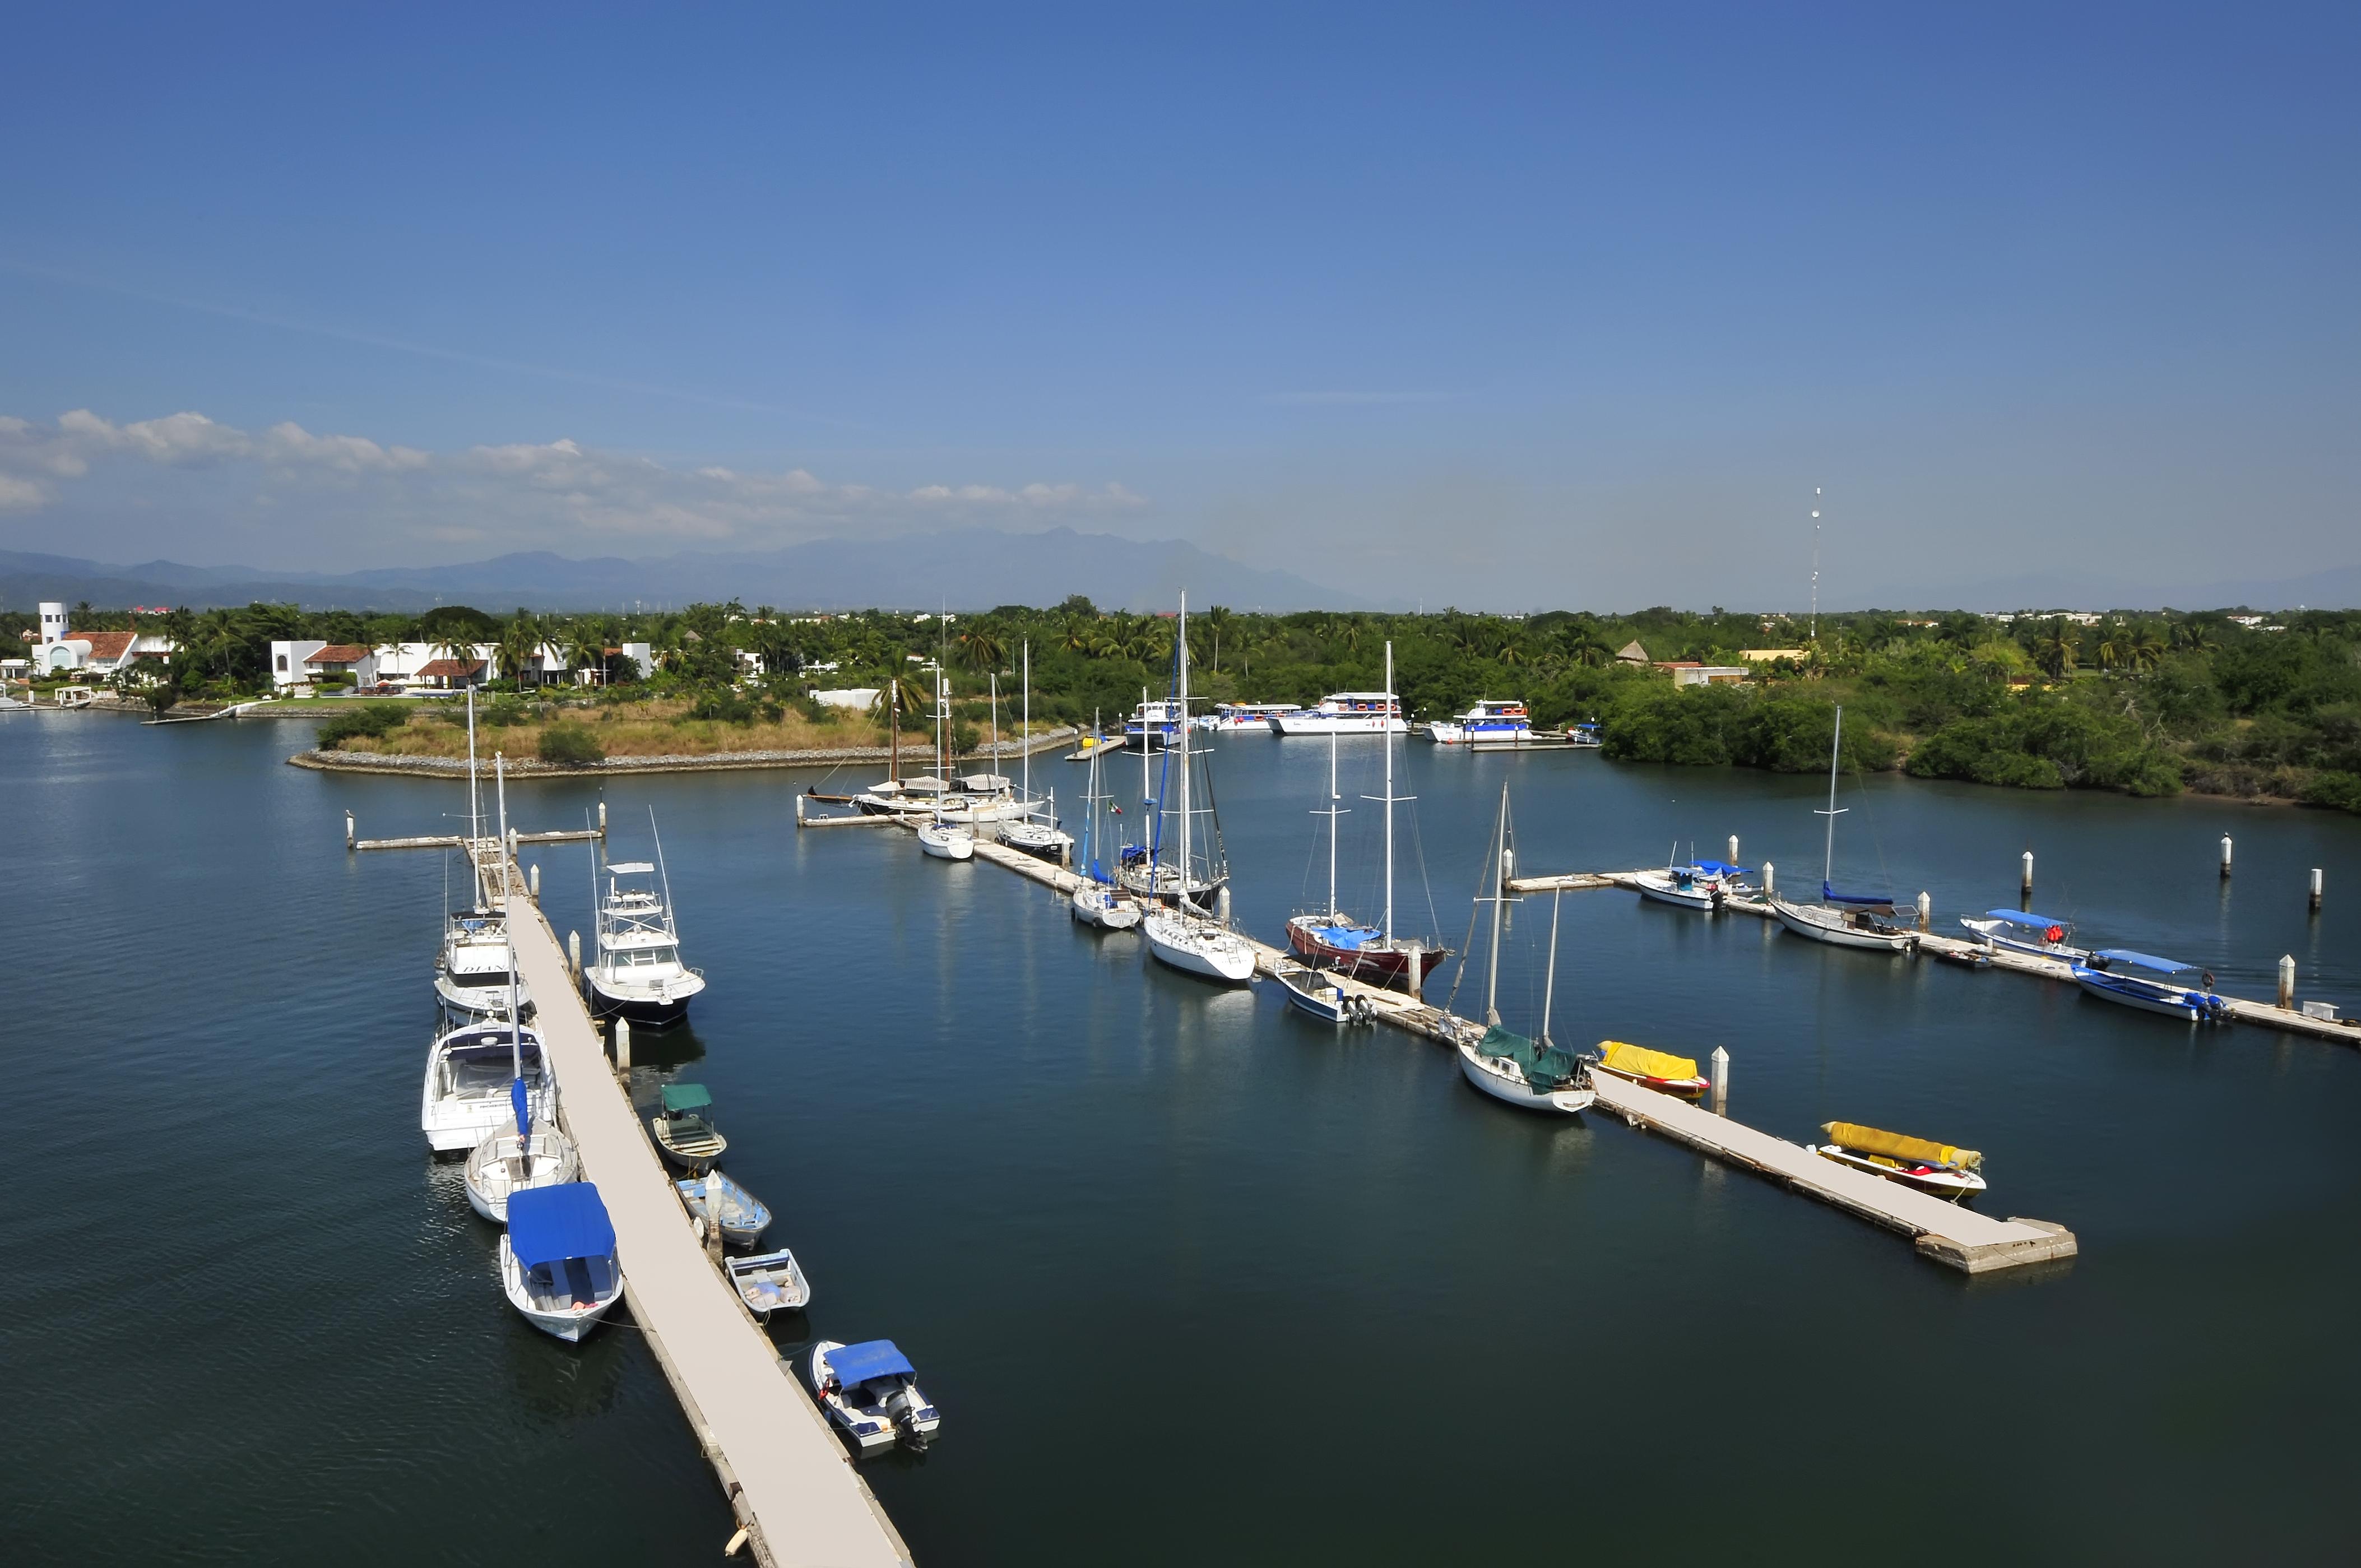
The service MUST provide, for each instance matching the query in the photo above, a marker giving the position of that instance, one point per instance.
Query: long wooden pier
(1957, 1237)
(2294, 1021)
(790, 1482)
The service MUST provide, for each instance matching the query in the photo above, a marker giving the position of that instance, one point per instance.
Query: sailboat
(475, 973)
(1178, 934)
(1533, 1075)
(1098, 901)
(1842, 919)
(521, 1156)
(637, 971)
(1334, 940)
(1038, 833)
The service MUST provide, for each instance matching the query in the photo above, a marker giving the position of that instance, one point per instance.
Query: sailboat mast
(1388, 721)
(1829, 857)
(475, 803)
(1549, 984)
(508, 916)
(1499, 893)
(1024, 735)
(995, 718)
(1332, 798)
(1184, 752)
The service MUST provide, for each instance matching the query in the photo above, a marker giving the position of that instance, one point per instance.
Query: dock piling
(1770, 888)
(1733, 848)
(2225, 856)
(2287, 983)
(574, 956)
(799, 810)
(2315, 890)
(348, 844)
(1926, 912)
(2026, 886)
(602, 819)
(532, 881)
(622, 1047)
(1722, 1079)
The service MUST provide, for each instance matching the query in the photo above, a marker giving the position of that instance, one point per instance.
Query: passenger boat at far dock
(1488, 720)
(1230, 718)
(2041, 935)
(2107, 974)
(1658, 1070)
(1345, 713)
(1933, 1168)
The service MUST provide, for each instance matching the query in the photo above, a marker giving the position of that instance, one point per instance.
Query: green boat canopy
(1546, 1068)
(686, 1097)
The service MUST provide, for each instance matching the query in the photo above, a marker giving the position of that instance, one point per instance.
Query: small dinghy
(2043, 936)
(2107, 975)
(1319, 994)
(1966, 957)
(683, 1133)
(1937, 1169)
(770, 1282)
(557, 1260)
(870, 1391)
(718, 1201)
(1665, 1073)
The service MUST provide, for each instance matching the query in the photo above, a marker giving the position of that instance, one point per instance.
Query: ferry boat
(1488, 720)
(1233, 716)
(1345, 713)
(1153, 724)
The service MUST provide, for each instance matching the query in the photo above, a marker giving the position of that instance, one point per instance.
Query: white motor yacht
(469, 1072)
(471, 972)
(637, 971)
(1488, 720)
(1345, 713)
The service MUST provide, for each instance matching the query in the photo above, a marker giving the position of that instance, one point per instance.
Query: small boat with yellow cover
(1665, 1073)
(1938, 1169)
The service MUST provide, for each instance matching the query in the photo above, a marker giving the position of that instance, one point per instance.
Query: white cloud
(549, 493)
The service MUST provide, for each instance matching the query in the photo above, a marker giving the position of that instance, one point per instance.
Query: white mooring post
(348, 839)
(1733, 848)
(533, 880)
(622, 1047)
(1770, 887)
(2026, 885)
(574, 955)
(2315, 888)
(2225, 855)
(1721, 1080)
(799, 810)
(2287, 981)
(602, 819)
(1926, 912)
(1415, 969)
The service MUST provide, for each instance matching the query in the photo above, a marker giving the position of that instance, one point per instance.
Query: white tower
(53, 623)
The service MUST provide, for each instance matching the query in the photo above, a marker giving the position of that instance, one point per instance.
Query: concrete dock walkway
(789, 1480)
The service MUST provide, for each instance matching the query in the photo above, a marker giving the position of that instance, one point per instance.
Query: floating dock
(789, 1480)
(1945, 1232)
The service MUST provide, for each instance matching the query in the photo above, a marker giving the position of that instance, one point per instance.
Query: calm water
(1192, 1279)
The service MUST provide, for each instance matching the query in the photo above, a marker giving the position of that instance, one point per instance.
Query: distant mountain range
(969, 570)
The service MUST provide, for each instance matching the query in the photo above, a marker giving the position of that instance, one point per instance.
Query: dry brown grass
(659, 728)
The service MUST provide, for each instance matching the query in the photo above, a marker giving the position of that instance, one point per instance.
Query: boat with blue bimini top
(1700, 885)
(558, 1266)
(1153, 725)
(1504, 721)
(2107, 974)
(870, 1393)
(2043, 936)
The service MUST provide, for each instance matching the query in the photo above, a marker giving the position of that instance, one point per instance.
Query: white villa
(60, 651)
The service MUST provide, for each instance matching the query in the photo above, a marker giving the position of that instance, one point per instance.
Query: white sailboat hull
(493, 1169)
(1201, 948)
(1829, 926)
(1665, 890)
(946, 843)
(1094, 904)
(1503, 1082)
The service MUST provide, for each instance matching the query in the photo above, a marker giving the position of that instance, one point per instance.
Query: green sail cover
(1546, 1068)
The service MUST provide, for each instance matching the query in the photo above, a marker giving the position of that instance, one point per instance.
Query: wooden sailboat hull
(1828, 926)
(1375, 963)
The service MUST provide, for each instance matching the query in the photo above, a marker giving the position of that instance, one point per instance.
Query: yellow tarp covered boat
(1638, 1061)
(1893, 1145)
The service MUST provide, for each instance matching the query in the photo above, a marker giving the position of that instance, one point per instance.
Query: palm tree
(2193, 637)
(2148, 649)
(1216, 620)
(983, 647)
(520, 642)
(2056, 651)
(1078, 634)
(2114, 647)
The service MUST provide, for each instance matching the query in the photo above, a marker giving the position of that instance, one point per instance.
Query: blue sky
(1505, 305)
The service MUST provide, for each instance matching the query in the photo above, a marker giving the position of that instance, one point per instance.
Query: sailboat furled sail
(1182, 934)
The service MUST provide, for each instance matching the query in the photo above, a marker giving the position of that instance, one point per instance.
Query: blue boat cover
(873, 1358)
(1351, 938)
(1874, 900)
(2142, 960)
(2033, 922)
(1718, 868)
(521, 1102)
(550, 1224)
